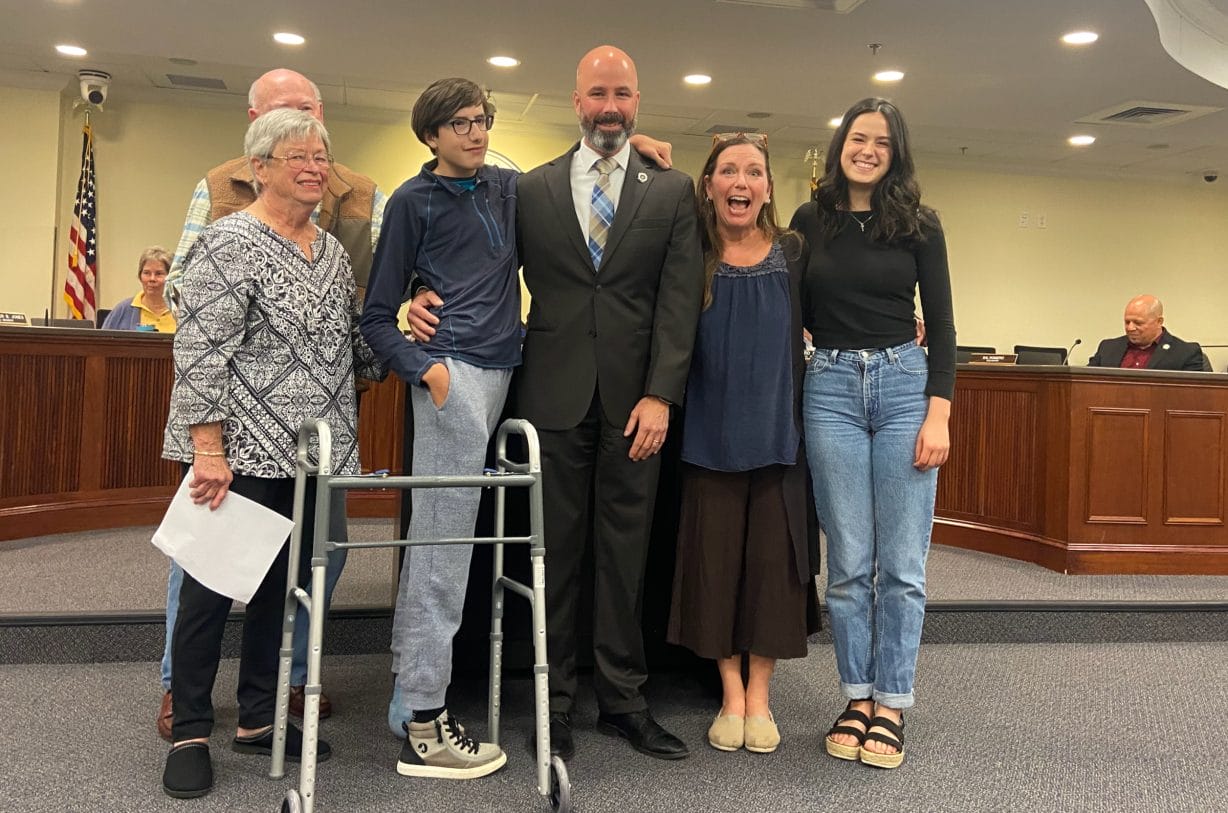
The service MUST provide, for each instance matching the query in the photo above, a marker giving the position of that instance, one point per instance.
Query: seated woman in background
(147, 310)
(743, 586)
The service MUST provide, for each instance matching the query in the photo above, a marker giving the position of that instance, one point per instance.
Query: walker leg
(560, 786)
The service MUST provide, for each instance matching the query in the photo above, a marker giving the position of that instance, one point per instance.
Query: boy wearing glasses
(450, 228)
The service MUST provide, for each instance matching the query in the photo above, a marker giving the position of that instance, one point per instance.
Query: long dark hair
(710, 235)
(900, 218)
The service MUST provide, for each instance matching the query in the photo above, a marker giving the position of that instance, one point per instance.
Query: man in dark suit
(612, 259)
(1148, 344)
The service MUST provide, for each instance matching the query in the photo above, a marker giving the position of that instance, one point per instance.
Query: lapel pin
(642, 177)
(1166, 347)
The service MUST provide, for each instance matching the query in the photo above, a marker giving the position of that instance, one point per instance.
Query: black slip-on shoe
(189, 772)
(263, 744)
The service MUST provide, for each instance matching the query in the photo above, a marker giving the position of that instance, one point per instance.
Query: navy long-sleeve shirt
(460, 243)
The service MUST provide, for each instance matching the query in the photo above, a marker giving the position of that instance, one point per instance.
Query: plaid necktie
(601, 215)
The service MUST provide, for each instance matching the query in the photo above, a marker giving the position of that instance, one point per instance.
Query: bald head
(284, 88)
(1144, 320)
(606, 98)
(602, 59)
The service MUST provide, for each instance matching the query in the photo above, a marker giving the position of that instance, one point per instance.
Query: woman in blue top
(146, 310)
(743, 585)
(876, 410)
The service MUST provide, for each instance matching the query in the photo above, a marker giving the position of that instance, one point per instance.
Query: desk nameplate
(992, 358)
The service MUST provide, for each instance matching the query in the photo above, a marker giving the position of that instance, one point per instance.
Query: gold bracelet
(208, 454)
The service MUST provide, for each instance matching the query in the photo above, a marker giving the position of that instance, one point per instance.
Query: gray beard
(606, 143)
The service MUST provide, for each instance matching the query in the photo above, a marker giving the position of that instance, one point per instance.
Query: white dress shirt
(584, 178)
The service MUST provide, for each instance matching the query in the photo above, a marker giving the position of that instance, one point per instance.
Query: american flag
(80, 284)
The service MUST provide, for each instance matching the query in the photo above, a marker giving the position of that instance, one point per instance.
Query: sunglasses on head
(753, 138)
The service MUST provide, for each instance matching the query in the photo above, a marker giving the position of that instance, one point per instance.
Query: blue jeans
(862, 411)
(338, 532)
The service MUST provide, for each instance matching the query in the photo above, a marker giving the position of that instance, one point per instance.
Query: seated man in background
(1148, 344)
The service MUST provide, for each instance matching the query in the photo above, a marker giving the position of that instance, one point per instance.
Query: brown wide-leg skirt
(736, 585)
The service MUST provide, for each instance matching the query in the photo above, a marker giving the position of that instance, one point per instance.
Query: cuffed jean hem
(862, 691)
(856, 691)
(894, 701)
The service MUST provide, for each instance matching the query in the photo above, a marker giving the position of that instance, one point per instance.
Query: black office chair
(1040, 355)
(963, 352)
(101, 316)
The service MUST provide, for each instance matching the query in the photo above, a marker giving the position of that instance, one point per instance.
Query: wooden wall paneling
(137, 399)
(1055, 443)
(380, 418)
(959, 479)
(1193, 479)
(81, 421)
(40, 424)
(1130, 469)
(1012, 455)
(1117, 469)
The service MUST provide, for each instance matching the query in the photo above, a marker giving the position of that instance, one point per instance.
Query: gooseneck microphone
(1077, 342)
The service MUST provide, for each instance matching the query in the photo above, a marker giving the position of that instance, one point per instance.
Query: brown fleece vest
(345, 211)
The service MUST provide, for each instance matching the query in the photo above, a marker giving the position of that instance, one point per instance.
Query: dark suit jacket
(627, 330)
(1171, 354)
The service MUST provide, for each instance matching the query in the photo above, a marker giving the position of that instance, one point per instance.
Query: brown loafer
(298, 702)
(166, 716)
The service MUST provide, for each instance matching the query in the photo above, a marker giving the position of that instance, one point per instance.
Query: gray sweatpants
(431, 596)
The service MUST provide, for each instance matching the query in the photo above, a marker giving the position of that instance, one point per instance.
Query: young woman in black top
(875, 410)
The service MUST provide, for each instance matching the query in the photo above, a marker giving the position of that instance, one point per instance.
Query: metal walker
(552, 780)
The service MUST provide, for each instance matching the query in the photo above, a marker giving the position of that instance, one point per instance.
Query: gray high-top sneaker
(440, 749)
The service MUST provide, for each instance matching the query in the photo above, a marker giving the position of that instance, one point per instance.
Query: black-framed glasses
(298, 161)
(463, 126)
(753, 138)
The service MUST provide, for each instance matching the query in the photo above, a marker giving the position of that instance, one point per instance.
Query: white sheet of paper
(228, 550)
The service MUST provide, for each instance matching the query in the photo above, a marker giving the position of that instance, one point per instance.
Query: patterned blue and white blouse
(266, 339)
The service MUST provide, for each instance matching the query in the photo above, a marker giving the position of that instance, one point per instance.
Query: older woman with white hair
(268, 336)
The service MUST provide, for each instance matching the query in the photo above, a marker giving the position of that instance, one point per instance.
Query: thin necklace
(861, 222)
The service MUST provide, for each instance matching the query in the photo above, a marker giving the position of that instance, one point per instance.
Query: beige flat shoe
(761, 734)
(725, 733)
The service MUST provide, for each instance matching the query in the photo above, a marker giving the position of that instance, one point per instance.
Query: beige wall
(29, 131)
(1105, 240)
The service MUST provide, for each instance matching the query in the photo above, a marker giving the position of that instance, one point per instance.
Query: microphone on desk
(1077, 342)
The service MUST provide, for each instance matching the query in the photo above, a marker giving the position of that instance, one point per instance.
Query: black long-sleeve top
(858, 294)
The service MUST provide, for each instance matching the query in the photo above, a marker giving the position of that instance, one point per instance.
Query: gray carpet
(1095, 728)
(44, 575)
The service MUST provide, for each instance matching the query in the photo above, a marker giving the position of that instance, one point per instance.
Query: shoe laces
(456, 733)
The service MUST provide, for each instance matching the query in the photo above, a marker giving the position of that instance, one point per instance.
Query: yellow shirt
(162, 324)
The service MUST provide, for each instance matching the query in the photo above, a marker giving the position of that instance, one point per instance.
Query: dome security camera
(94, 85)
(1210, 175)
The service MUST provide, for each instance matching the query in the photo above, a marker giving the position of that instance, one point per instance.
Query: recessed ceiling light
(504, 61)
(1081, 140)
(888, 76)
(1080, 37)
(71, 50)
(697, 79)
(836, 122)
(287, 38)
